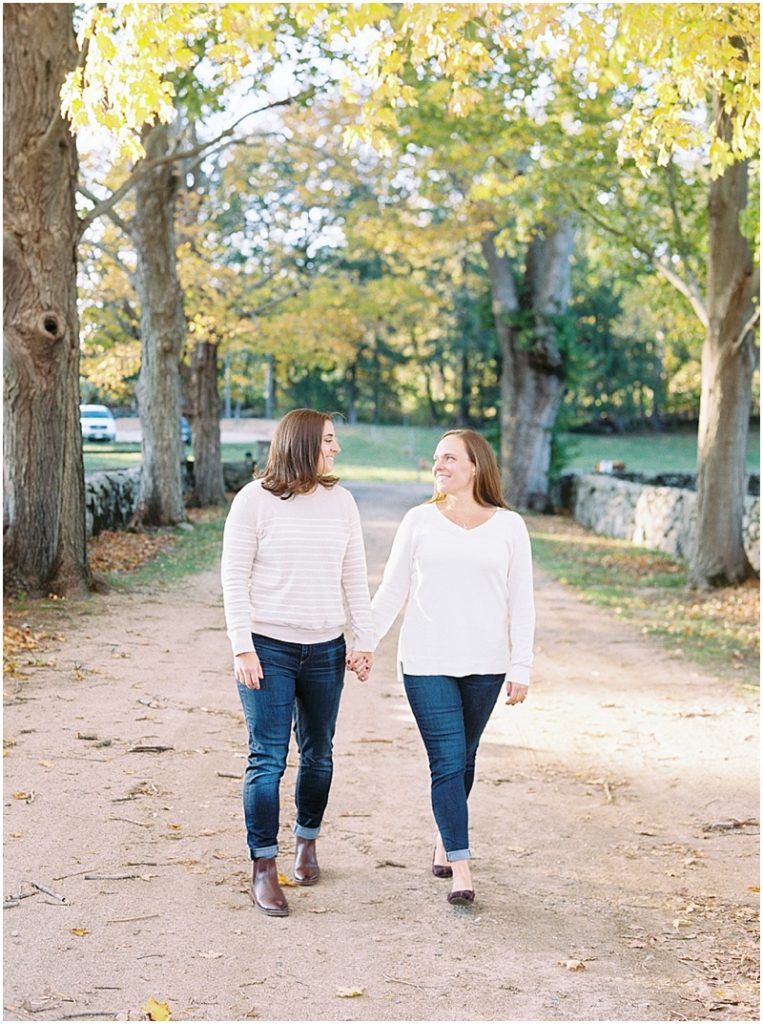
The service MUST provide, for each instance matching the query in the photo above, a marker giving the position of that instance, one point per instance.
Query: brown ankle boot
(267, 895)
(306, 870)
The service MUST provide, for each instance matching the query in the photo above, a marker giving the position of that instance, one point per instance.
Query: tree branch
(109, 253)
(688, 289)
(144, 166)
(108, 210)
(681, 245)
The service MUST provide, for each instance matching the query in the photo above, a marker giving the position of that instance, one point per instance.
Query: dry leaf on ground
(155, 1010)
(572, 965)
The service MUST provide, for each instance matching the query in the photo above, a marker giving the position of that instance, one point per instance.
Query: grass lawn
(395, 453)
(674, 452)
(718, 629)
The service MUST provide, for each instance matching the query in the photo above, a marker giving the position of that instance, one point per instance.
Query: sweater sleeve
(521, 606)
(396, 581)
(355, 584)
(239, 553)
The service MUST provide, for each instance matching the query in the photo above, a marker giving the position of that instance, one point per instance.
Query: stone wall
(646, 513)
(111, 495)
(110, 499)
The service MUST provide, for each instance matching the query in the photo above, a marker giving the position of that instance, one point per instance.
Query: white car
(97, 423)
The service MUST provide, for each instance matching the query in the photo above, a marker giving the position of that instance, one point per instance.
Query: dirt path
(614, 879)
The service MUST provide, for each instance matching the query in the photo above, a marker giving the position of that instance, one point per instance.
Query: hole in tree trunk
(53, 326)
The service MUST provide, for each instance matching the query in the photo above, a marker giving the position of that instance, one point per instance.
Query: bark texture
(44, 505)
(162, 331)
(533, 360)
(209, 488)
(728, 364)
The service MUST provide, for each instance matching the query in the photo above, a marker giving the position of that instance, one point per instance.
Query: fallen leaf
(283, 880)
(753, 888)
(572, 965)
(318, 910)
(22, 795)
(157, 1011)
(79, 931)
(678, 922)
(210, 955)
(172, 825)
(349, 993)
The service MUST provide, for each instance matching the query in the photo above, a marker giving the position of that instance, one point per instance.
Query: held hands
(248, 670)
(360, 663)
(515, 692)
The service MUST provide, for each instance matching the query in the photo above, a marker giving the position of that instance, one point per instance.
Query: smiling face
(329, 450)
(453, 470)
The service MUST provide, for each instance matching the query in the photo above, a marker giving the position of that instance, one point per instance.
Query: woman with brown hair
(462, 563)
(292, 555)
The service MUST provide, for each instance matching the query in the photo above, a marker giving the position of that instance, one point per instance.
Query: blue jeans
(302, 683)
(451, 713)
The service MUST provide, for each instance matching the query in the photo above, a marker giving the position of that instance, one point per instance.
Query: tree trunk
(350, 380)
(465, 390)
(209, 488)
(728, 363)
(227, 386)
(270, 386)
(162, 330)
(532, 374)
(44, 498)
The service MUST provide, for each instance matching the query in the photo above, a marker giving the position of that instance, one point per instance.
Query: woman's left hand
(515, 692)
(360, 663)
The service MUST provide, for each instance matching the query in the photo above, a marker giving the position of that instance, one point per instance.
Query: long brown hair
(295, 451)
(487, 477)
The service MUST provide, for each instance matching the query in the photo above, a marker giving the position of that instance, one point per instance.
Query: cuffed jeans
(302, 684)
(451, 713)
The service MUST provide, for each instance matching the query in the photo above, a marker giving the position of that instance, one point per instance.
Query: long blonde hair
(487, 477)
(295, 451)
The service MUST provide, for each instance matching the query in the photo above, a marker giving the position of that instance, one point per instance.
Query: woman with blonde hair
(292, 555)
(462, 565)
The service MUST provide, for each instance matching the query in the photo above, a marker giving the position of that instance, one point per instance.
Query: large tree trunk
(350, 379)
(162, 331)
(209, 488)
(728, 363)
(463, 417)
(270, 387)
(532, 375)
(44, 500)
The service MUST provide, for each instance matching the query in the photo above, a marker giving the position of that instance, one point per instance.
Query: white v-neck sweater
(288, 566)
(469, 596)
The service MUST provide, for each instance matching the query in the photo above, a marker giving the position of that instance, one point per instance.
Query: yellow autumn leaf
(79, 931)
(157, 1011)
(21, 794)
(283, 880)
(349, 993)
(172, 825)
(753, 888)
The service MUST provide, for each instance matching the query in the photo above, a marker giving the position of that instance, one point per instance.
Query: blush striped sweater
(288, 567)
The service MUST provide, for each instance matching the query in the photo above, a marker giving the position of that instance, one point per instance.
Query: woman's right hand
(248, 670)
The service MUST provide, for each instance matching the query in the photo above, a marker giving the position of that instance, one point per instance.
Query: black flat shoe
(440, 870)
(461, 898)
